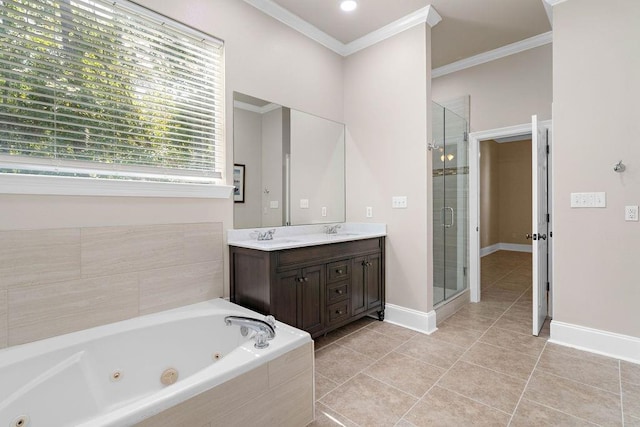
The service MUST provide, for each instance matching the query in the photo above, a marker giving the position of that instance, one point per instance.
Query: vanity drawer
(337, 292)
(338, 312)
(339, 270)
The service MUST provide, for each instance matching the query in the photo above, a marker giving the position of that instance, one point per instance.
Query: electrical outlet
(273, 204)
(399, 202)
(631, 213)
(369, 212)
(304, 203)
(324, 211)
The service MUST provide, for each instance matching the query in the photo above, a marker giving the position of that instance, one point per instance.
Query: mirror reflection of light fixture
(449, 157)
(348, 5)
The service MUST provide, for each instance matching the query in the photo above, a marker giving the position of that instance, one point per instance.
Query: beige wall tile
(203, 242)
(42, 311)
(290, 365)
(205, 406)
(172, 287)
(131, 249)
(39, 256)
(3, 319)
(288, 405)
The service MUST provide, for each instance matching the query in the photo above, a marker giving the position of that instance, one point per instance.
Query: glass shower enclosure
(450, 160)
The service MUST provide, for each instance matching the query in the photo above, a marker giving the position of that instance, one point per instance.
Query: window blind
(109, 90)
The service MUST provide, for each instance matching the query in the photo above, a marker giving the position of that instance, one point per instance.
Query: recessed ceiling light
(348, 5)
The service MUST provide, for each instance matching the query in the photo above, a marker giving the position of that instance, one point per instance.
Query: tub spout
(263, 329)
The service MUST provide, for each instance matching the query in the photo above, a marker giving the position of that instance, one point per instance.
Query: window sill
(71, 186)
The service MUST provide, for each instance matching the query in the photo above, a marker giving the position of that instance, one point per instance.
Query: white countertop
(298, 236)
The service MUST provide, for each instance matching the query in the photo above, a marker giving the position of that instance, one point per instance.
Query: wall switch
(273, 204)
(399, 202)
(588, 200)
(324, 211)
(631, 213)
(369, 212)
(304, 203)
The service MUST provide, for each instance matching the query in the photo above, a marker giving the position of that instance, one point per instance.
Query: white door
(540, 224)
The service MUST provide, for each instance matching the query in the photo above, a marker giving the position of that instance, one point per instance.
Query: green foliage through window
(91, 88)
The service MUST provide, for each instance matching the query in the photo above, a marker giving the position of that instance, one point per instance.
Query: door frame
(474, 200)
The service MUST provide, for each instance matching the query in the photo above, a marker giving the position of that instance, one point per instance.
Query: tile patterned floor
(482, 367)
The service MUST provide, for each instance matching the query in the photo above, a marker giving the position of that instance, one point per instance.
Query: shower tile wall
(56, 281)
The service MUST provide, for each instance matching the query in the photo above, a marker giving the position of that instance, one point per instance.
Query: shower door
(450, 204)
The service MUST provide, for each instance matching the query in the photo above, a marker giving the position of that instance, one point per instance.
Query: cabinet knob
(338, 312)
(339, 291)
(364, 263)
(306, 279)
(339, 271)
(299, 279)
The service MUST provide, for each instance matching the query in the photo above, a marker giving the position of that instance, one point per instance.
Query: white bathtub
(110, 375)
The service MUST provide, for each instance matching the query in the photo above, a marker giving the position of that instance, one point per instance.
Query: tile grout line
(579, 382)
(526, 385)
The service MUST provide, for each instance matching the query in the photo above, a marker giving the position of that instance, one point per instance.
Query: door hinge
(547, 286)
(466, 136)
(464, 271)
(547, 148)
(547, 217)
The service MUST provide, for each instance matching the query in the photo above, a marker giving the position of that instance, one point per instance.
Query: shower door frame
(474, 201)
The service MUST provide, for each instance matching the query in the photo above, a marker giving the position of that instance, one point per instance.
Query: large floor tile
(369, 402)
(490, 309)
(631, 399)
(405, 373)
(581, 370)
(484, 385)
(339, 363)
(581, 354)
(442, 407)
(394, 331)
(533, 414)
(523, 326)
(457, 335)
(370, 343)
(323, 385)
(577, 399)
(470, 321)
(522, 343)
(630, 372)
(325, 417)
(499, 359)
(353, 327)
(432, 350)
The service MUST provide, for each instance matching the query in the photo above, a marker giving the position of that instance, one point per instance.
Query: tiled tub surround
(299, 236)
(55, 281)
(222, 378)
(482, 367)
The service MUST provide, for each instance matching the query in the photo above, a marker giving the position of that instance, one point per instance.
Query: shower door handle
(452, 217)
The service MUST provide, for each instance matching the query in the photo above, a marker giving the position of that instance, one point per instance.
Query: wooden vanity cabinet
(314, 288)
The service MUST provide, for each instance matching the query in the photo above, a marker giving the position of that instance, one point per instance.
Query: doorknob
(542, 236)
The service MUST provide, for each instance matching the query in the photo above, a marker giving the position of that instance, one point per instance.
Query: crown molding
(427, 14)
(492, 55)
(255, 108)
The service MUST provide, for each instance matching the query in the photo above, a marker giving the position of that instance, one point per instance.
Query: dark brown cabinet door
(373, 276)
(311, 296)
(358, 285)
(285, 296)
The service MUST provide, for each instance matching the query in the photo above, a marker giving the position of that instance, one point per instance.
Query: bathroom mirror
(289, 165)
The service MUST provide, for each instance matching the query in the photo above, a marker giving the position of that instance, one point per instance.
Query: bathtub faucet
(264, 330)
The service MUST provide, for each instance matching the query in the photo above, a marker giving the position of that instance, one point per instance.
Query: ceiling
(468, 27)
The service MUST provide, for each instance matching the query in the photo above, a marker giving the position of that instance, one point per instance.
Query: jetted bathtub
(122, 373)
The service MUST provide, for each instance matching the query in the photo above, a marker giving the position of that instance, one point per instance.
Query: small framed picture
(238, 183)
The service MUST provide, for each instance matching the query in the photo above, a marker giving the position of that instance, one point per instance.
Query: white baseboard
(411, 319)
(610, 344)
(488, 250)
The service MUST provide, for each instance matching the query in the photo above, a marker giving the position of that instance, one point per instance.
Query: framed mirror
(292, 162)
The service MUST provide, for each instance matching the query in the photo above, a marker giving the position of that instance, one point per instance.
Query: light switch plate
(399, 202)
(273, 204)
(324, 211)
(369, 212)
(631, 213)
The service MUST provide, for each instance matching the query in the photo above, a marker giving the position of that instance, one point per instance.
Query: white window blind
(109, 90)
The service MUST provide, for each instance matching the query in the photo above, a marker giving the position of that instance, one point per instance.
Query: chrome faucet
(265, 329)
(266, 235)
(332, 229)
